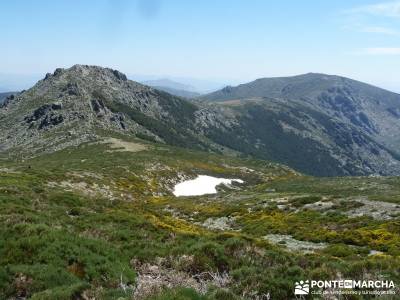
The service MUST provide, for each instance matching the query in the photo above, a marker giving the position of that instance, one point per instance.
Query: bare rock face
(45, 116)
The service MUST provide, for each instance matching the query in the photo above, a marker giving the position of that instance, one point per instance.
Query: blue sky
(228, 41)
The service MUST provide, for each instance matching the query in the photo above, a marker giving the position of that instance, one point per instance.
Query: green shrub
(61, 292)
(208, 256)
(339, 250)
(178, 294)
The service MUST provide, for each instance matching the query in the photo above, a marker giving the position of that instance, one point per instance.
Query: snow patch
(201, 185)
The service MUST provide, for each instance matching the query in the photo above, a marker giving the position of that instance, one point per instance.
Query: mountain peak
(69, 106)
(87, 70)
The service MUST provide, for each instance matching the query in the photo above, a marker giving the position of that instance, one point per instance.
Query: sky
(224, 41)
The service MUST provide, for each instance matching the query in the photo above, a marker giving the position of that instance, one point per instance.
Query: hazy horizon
(18, 82)
(228, 42)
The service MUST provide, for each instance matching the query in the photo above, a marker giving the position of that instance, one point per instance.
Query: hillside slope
(370, 108)
(88, 168)
(99, 221)
(353, 125)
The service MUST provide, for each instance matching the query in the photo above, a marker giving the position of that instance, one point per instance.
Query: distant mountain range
(315, 123)
(3, 96)
(173, 87)
(17, 82)
(169, 84)
(198, 85)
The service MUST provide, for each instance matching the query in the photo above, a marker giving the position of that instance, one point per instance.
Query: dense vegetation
(91, 221)
(172, 133)
(260, 134)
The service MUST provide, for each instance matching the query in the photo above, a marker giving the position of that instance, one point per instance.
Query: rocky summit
(314, 123)
(75, 105)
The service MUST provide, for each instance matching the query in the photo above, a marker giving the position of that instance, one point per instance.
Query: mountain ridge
(373, 111)
(73, 106)
(218, 95)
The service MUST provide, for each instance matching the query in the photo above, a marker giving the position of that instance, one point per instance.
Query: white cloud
(381, 18)
(385, 9)
(382, 51)
(380, 30)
